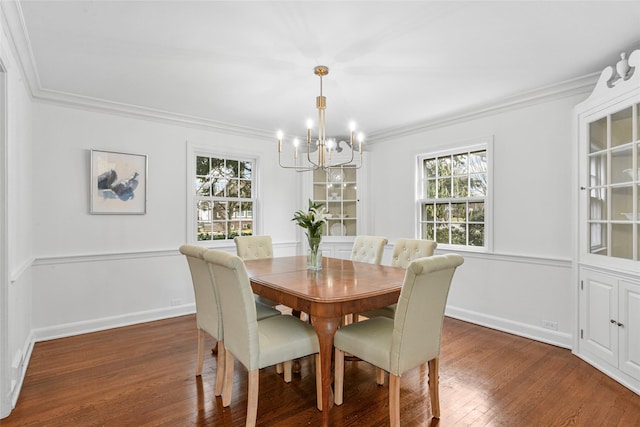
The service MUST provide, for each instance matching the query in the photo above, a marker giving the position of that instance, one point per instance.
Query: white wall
(98, 271)
(15, 299)
(526, 279)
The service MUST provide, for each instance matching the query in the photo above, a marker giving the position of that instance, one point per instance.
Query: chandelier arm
(309, 155)
(302, 168)
(337, 165)
(324, 149)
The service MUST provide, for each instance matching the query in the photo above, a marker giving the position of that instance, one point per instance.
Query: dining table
(339, 288)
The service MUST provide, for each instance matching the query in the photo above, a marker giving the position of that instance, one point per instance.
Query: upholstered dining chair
(208, 313)
(260, 247)
(255, 247)
(368, 249)
(278, 339)
(409, 340)
(404, 251)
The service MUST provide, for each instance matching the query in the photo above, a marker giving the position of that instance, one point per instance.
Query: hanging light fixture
(327, 149)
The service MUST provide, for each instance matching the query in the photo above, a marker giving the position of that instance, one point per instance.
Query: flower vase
(314, 254)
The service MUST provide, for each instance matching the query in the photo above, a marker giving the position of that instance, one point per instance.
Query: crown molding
(21, 46)
(129, 110)
(19, 42)
(577, 86)
(17, 32)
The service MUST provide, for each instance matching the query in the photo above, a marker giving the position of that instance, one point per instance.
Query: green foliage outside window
(224, 194)
(454, 188)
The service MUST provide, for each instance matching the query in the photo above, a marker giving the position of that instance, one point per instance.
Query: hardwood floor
(143, 375)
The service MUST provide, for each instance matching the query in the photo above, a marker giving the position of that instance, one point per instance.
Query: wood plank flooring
(143, 375)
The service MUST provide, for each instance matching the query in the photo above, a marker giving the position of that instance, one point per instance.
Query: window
(224, 197)
(453, 197)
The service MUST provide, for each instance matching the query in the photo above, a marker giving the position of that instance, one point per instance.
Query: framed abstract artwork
(118, 183)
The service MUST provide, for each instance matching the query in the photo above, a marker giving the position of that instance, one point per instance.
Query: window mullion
(459, 181)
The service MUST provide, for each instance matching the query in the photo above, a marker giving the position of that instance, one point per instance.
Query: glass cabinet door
(337, 189)
(613, 184)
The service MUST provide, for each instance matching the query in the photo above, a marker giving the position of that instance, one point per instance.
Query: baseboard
(94, 325)
(617, 375)
(20, 371)
(559, 339)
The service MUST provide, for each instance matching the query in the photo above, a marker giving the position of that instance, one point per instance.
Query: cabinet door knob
(620, 325)
(613, 321)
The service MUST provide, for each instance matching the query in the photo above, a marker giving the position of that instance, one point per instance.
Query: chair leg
(278, 368)
(379, 376)
(220, 371)
(338, 380)
(394, 400)
(228, 377)
(434, 374)
(252, 398)
(318, 382)
(287, 371)
(200, 360)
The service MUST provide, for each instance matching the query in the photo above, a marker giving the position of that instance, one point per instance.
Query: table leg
(325, 328)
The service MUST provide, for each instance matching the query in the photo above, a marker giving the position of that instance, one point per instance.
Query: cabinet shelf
(610, 141)
(338, 191)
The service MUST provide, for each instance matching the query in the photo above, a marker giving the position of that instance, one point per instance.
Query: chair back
(406, 250)
(368, 249)
(417, 329)
(208, 314)
(253, 247)
(238, 306)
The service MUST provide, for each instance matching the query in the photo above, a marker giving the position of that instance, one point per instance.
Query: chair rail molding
(114, 256)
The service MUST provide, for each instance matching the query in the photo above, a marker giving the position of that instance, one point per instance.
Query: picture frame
(118, 183)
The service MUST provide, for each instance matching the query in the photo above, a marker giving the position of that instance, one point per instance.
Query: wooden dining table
(341, 287)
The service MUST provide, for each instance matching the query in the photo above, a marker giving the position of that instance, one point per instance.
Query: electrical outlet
(549, 324)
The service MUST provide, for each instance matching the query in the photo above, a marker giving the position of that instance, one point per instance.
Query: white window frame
(477, 144)
(193, 151)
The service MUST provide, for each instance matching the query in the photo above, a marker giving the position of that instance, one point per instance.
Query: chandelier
(328, 153)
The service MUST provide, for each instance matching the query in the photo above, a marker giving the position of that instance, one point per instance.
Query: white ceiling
(240, 64)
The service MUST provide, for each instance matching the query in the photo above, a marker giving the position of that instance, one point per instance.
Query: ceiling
(248, 66)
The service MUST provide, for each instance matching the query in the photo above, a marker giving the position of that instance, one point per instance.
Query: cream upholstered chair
(409, 340)
(255, 247)
(260, 247)
(404, 251)
(255, 344)
(368, 249)
(208, 313)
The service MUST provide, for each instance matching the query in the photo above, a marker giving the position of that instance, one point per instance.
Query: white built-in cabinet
(610, 325)
(608, 264)
(343, 191)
